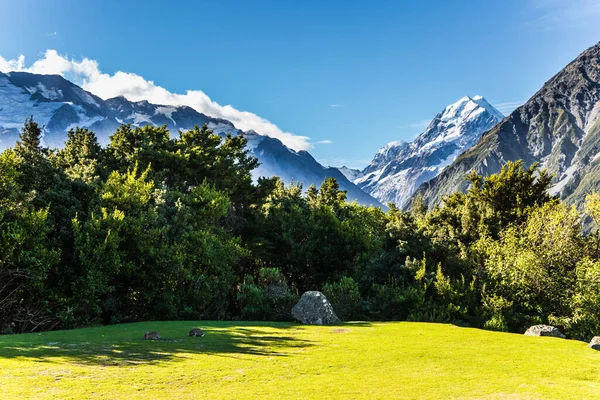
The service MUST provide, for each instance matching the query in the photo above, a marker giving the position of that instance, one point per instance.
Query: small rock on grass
(544, 330)
(196, 332)
(151, 335)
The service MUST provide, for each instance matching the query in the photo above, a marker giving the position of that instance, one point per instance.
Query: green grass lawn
(237, 360)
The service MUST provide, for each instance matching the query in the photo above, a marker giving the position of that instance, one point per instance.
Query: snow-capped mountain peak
(465, 107)
(557, 127)
(399, 168)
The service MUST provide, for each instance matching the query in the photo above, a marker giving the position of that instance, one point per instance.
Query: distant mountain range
(60, 105)
(559, 127)
(399, 168)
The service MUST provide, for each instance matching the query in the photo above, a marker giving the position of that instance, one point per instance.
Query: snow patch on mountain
(16, 105)
(84, 119)
(167, 112)
(350, 173)
(139, 118)
(50, 94)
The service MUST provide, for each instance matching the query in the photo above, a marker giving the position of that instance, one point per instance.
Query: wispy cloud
(551, 14)
(52, 34)
(343, 162)
(508, 106)
(337, 105)
(87, 74)
(327, 141)
(422, 125)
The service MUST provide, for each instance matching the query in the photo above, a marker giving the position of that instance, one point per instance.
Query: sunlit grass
(274, 360)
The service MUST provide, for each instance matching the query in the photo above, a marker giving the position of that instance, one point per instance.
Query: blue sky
(357, 74)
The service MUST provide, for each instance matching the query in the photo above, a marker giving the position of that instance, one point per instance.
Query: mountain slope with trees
(59, 105)
(559, 127)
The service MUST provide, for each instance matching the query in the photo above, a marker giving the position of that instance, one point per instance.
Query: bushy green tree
(25, 254)
(161, 227)
(531, 269)
(313, 242)
(345, 298)
(173, 260)
(81, 157)
(267, 296)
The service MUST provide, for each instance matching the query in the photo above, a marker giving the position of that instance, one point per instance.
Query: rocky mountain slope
(399, 168)
(558, 127)
(61, 105)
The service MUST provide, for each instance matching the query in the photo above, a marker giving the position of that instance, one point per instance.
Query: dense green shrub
(345, 298)
(158, 227)
(266, 298)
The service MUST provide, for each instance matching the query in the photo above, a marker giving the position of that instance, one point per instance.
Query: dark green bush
(345, 298)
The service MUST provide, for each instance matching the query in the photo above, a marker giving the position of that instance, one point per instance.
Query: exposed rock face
(314, 309)
(595, 343)
(559, 127)
(544, 330)
(399, 168)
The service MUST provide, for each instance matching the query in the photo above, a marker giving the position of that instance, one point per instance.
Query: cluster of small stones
(156, 336)
(314, 309)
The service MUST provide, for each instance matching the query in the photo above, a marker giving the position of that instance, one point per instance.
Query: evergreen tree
(30, 138)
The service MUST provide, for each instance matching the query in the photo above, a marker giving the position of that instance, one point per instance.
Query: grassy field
(274, 360)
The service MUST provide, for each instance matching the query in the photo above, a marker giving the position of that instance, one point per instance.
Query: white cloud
(12, 65)
(337, 105)
(327, 141)
(88, 75)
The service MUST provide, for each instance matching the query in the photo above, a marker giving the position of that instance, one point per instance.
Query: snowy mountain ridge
(60, 105)
(399, 168)
(558, 128)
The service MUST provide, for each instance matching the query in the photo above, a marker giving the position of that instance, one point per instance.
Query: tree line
(153, 227)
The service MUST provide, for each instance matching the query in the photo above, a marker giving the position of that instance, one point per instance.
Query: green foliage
(266, 298)
(345, 298)
(25, 254)
(318, 240)
(511, 192)
(532, 267)
(252, 300)
(583, 320)
(155, 227)
(81, 157)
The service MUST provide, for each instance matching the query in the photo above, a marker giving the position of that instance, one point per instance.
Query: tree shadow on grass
(110, 346)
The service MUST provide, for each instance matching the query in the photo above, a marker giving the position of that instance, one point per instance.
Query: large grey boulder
(544, 330)
(595, 343)
(314, 309)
